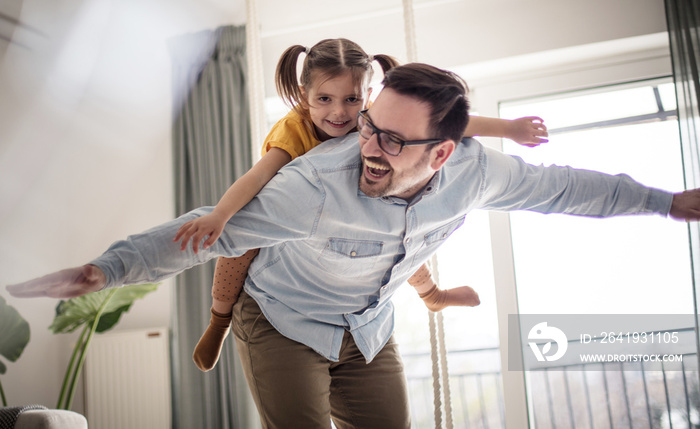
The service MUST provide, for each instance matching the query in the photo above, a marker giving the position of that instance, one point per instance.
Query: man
(340, 229)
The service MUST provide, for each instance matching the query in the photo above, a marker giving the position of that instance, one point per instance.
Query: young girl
(332, 89)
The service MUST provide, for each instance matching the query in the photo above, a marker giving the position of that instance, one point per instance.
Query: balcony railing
(593, 396)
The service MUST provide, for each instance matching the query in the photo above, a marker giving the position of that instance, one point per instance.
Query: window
(628, 265)
(568, 265)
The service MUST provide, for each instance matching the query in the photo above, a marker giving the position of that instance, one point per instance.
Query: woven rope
(445, 372)
(439, 356)
(256, 85)
(409, 26)
(442, 352)
(438, 351)
(437, 394)
(412, 56)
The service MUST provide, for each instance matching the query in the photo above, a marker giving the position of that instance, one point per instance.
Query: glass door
(471, 338)
(594, 273)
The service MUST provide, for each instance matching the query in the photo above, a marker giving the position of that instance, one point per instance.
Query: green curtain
(683, 19)
(211, 149)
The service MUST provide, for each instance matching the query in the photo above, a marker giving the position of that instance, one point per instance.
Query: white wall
(85, 117)
(85, 153)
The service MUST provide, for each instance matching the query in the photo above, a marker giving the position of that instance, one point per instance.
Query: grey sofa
(34, 417)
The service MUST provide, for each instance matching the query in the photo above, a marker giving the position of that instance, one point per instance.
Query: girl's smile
(339, 124)
(333, 104)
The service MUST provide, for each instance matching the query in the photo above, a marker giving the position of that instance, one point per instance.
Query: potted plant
(14, 338)
(96, 313)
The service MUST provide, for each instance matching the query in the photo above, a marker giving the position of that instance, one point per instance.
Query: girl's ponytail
(326, 59)
(286, 80)
(386, 62)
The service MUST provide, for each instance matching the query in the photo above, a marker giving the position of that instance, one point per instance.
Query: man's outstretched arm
(67, 283)
(686, 206)
(147, 257)
(152, 256)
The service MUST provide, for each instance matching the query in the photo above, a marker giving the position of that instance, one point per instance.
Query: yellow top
(293, 134)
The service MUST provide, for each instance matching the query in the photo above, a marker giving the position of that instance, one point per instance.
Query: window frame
(620, 61)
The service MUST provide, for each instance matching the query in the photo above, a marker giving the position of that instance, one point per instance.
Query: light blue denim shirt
(332, 257)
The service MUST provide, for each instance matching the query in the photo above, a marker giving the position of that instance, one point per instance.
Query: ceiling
(105, 46)
(452, 33)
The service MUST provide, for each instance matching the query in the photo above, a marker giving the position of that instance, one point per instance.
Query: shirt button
(353, 253)
(408, 240)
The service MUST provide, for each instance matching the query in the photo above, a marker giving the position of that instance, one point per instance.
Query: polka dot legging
(229, 276)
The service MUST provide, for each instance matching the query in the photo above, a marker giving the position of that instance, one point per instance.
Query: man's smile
(376, 170)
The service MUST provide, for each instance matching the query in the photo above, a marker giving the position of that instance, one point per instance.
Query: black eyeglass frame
(362, 114)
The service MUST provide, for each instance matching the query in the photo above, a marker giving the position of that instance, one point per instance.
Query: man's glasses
(389, 143)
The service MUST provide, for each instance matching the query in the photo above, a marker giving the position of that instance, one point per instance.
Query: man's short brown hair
(444, 91)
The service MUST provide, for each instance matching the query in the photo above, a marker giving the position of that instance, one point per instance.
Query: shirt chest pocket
(344, 257)
(438, 235)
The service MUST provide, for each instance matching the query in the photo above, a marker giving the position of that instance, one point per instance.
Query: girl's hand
(210, 225)
(528, 131)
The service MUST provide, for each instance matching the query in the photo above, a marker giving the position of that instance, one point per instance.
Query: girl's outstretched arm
(238, 195)
(527, 131)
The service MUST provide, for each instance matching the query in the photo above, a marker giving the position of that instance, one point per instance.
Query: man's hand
(210, 225)
(67, 283)
(686, 206)
(527, 131)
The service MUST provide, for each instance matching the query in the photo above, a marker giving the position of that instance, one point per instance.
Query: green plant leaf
(75, 312)
(15, 333)
(108, 320)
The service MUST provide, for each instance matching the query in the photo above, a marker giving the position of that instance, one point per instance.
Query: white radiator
(127, 380)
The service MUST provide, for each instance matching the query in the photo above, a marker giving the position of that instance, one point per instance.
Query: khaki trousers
(295, 387)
